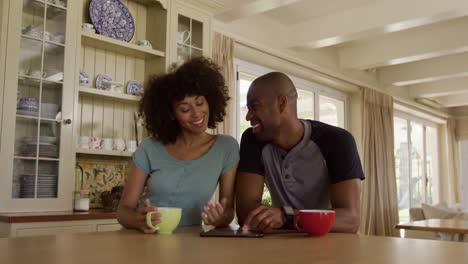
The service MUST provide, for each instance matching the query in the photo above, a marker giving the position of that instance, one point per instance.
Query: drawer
(41, 231)
(108, 227)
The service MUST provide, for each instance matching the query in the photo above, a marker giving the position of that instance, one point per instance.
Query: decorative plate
(134, 87)
(102, 78)
(111, 18)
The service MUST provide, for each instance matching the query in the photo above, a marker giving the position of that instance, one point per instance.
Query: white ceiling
(419, 47)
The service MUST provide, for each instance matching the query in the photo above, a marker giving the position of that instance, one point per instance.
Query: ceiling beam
(407, 46)
(250, 9)
(453, 100)
(446, 87)
(424, 71)
(373, 18)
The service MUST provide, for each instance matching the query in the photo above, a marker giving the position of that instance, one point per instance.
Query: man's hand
(264, 218)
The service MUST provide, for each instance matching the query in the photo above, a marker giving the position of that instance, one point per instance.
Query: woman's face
(192, 113)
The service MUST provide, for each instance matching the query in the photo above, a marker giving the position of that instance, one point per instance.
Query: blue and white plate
(111, 18)
(100, 79)
(134, 87)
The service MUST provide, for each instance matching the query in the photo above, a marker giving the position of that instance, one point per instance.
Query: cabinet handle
(67, 121)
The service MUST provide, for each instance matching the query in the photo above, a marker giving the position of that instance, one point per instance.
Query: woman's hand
(141, 217)
(217, 214)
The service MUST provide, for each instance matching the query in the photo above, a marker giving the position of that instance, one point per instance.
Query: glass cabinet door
(39, 99)
(189, 38)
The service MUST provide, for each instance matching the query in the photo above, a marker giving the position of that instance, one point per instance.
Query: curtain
(379, 203)
(223, 55)
(449, 178)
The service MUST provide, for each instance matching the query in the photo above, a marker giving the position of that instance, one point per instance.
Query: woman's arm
(222, 213)
(126, 213)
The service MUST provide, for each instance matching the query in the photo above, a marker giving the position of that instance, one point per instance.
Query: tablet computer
(225, 232)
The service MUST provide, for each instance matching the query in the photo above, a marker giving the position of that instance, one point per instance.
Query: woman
(181, 163)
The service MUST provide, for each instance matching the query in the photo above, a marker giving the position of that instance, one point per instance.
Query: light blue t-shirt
(187, 184)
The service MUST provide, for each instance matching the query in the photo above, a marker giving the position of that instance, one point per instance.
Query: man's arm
(345, 198)
(249, 192)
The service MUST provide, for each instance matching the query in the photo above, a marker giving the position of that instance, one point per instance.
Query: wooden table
(453, 226)
(185, 246)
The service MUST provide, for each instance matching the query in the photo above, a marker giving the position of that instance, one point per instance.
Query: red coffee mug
(314, 222)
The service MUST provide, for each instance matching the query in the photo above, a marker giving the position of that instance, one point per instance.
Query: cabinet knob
(67, 121)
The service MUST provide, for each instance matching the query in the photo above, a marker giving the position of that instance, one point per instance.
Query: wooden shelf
(106, 43)
(103, 93)
(104, 152)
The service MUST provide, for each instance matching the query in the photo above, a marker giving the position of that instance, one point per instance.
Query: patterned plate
(100, 78)
(111, 18)
(134, 87)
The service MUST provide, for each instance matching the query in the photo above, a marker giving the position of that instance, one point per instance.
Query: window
(415, 163)
(328, 106)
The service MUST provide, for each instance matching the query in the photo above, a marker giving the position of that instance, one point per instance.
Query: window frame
(314, 87)
(409, 118)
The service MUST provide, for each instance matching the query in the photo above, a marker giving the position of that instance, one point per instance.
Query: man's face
(263, 112)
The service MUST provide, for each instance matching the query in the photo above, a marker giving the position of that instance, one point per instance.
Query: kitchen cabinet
(36, 132)
(45, 109)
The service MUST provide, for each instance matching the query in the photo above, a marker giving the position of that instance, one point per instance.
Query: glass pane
(30, 58)
(183, 53)
(49, 139)
(184, 31)
(245, 80)
(58, 3)
(431, 162)
(53, 62)
(33, 18)
(47, 180)
(417, 152)
(196, 53)
(305, 104)
(27, 100)
(55, 25)
(22, 168)
(24, 178)
(402, 167)
(197, 34)
(331, 111)
(51, 100)
(26, 136)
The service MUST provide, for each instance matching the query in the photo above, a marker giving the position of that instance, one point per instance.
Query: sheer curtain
(379, 203)
(449, 181)
(223, 55)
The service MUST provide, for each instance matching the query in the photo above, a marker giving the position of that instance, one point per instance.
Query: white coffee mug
(107, 143)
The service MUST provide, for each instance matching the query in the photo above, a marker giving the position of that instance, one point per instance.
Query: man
(305, 164)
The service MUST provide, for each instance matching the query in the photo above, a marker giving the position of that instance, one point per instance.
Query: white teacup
(84, 142)
(131, 145)
(119, 144)
(107, 143)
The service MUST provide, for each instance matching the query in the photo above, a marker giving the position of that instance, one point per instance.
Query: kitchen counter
(29, 217)
(186, 246)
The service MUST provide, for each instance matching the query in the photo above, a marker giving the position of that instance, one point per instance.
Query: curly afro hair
(197, 77)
